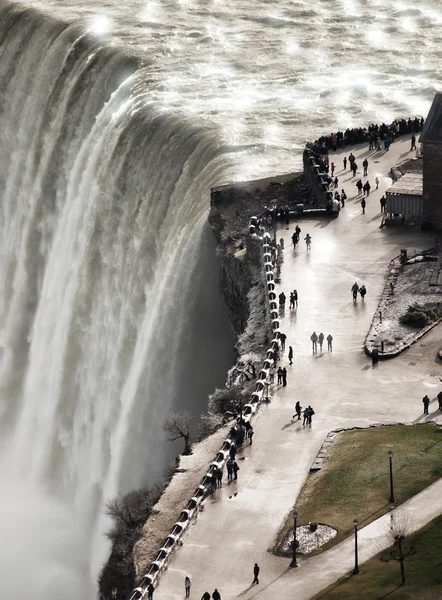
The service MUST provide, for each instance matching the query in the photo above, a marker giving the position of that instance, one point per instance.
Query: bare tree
(399, 532)
(176, 425)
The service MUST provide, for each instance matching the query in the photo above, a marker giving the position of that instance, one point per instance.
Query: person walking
(150, 591)
(290, 355)
(187, 586)
(351, 160)
(311, 412)
(298, 409)
(362, 291)
(219, 477)
(232, 451)
(295, 297)
(229, 466)
(439, 399)
(359, 186)
(308, 241)
(216, 595)
(354, 291)
(314, 339)
(363, 204)
(367, 188)
(329, 343)
(413, 142)
(305, 417)
(365, 165)
(282, 301)
(250, 433)
(320, 340)
(282, 337)
(426, 402)
(255, 574)
(332, 168)
(383, 203)
(354, 168)
(345, 163)
(284, 377)
(205, 596)
(343, 198)
(376, 180)
(235, 469)
(272, 375)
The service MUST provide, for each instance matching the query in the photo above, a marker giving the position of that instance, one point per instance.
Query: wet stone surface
(308, 540)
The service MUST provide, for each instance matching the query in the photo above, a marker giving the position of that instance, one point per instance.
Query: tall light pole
(275, 211)
(390, 456)
(294, 562)
(356, 569)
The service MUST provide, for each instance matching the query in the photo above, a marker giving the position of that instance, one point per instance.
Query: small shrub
(420, 316)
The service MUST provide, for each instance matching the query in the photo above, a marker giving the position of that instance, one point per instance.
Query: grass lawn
(354, 481)
(377, 580)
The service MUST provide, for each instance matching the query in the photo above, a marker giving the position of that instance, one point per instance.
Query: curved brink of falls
(103, 197)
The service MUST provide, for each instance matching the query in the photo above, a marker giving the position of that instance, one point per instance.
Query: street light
(274, 210)
(294, 562)
(390, 456)
(356, 569)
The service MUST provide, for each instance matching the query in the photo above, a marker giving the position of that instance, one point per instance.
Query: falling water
(103, 246)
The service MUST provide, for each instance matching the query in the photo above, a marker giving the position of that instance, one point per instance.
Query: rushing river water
(109, 142)
(272, 75)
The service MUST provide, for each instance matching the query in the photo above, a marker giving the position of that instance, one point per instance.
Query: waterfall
(103, 248)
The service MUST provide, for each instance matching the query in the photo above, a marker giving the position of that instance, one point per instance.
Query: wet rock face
(309, 538)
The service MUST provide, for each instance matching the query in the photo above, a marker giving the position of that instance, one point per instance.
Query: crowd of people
(374, 134)
(379, 137)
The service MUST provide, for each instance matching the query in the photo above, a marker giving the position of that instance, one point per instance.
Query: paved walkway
(240, 521)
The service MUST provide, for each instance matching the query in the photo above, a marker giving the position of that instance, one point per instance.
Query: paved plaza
(240, 522)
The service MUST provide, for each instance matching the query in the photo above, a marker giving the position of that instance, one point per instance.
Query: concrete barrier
(190, 513)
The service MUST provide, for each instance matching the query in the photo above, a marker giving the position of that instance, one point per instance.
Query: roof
(432, 131)
(410, 184)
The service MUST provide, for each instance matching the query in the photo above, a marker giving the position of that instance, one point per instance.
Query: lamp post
(356, 569)
(390, 456)
(294, 562)
(275, 211)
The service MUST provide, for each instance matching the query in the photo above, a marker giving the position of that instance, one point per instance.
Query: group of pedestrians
(293, 299)
(216, 595)
(426, 402)
(355, 289)
(307, 414)
(282, 375)
(319, 339)
(206, 596)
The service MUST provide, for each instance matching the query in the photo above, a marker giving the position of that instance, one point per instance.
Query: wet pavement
(240, 522)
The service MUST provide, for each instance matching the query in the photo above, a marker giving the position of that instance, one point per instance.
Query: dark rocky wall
(432, 178)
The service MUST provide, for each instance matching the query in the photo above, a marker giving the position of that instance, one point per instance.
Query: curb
(332, 435)
(383, 303)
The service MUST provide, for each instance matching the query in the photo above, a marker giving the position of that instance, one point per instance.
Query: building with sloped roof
(431, 140)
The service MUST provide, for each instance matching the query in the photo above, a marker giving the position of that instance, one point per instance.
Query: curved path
(241, 520)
